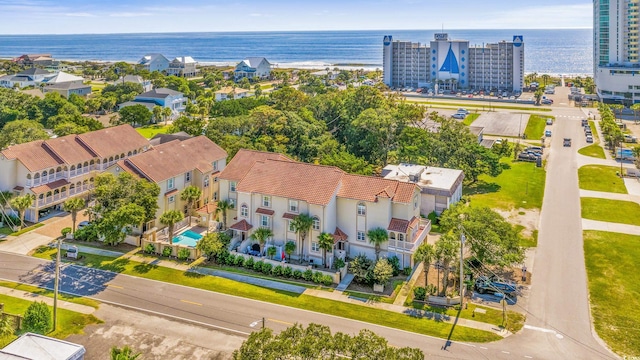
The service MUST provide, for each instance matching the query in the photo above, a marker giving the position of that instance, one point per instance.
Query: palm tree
(5, 198)
(261, 235)
(325, 241)
(271, 252)
(157, 113)
(191, 194)
(170, 218)
(126, 353)
(425, 253)
(301, 225)
(446, 251)
(166, 113)
(545, 79)
(636, 154)
(377, 237)
(73, 206)
(22, 203)
(289, 248)
(6, 326)
(222, 207)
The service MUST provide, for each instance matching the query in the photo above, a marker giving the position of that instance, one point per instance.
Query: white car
(458, 116)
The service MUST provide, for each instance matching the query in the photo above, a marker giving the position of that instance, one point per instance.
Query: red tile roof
(339, 235)
(244, 159)
(314, 184)
(398, 225)
(209, 208)
(113, 140)
(33, 155)
(70, 150)
(289, 216)
(413, 222)
(265, 211)
(171, 192)
(241, 225)
(49, 187)
(367, 188)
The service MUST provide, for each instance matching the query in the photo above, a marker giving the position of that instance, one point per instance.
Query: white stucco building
(615, 50)
(253, 68)
(154, 62)
(452, 65)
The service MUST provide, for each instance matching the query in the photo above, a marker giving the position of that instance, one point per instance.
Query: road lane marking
(191, 302)
(484, 348)
(505, 352)
(115, 286)
(540, 329)
(528, 357)
(280, 322)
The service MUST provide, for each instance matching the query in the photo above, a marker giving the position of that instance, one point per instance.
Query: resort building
(183, 66)
(439, 187)
(164, 97)
(615, 50)
(175, 165)
(154, 62)
(56, 170)
(253, 68)
(269, 190)
(230, 93)
(450, 65)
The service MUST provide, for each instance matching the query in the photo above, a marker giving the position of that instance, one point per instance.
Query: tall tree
(171, 218)
(116, 225)
(5, 198)
(426, 254)
(301, 225)
(22, 203)
(377, 237)
(135, 115)
(166, 114)
(325, 241)
(447, 251)
(191, 194)
(73, 206)
(157, 113)
(212, 244)
(222, 207)
(289, 248)
(21, 131)
(261, 235)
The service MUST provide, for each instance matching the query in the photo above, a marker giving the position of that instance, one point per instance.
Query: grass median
(520, 185)
(593, 150)
(601, 178)
(469, 119)
(615, 211)
(535, 126)
(614, 284)
(300, 301)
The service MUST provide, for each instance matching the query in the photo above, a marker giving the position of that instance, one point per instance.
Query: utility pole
(462, 238)
(55, 288)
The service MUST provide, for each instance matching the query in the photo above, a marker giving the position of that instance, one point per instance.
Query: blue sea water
(566, 51)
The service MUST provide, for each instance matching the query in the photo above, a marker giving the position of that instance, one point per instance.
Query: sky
(136, 16)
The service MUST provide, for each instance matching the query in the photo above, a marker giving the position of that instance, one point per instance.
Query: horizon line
(289, 31)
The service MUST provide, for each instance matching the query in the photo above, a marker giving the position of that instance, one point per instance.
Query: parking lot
(502, 123)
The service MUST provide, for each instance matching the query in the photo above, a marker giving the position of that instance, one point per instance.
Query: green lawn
(593, 150)
(27, 229)
(150, 131)
(594, 131)
(616, 211)
(5, 230)
(49, 293)
(614, 285)
(470, 118)
(521, 185)
(527, 241)
(535, 126)
(69, 322)
(601, 178)
(307, 302)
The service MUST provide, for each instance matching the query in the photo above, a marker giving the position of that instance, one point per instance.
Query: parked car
(523, 156)
(535, 149)
(458, 116)
(549, 121)
(585, 122)
(463, 111)
(547, 133)
(589, 138)
(546, 102)
(630, 138)
(566, 142)
(83, 224)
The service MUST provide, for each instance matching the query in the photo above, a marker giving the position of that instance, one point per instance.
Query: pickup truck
(490, 285)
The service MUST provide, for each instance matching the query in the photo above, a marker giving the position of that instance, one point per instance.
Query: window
(215, 196)
(215, 165)
(266, 201)
(362, 209)
(172, 199)
(244, 210)
(264, 221)
(400, 237)
(171, 183)
(215, 179)
(187, 176)
(291, 227)
(360, 236)
(232, 186)
(315, 246)
(293, 206)
(206, 181)
(415, 202)
(316, 223)
(232, 203)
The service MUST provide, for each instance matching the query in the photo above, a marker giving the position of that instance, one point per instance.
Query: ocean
(566, 51)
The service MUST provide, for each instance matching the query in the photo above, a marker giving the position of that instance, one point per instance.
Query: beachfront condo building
(615, 50)
(451, 65)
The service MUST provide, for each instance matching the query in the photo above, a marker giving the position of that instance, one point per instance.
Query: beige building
(270, 190)
(55, 170)
(175, 165)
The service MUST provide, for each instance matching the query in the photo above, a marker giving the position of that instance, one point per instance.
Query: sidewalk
(610, 227)
(609, 195)
(84, 309)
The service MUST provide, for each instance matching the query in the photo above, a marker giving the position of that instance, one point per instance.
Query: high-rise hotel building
(453, 64)
(615, 50)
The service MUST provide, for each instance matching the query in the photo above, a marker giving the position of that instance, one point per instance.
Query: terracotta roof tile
(413, 222)
(314, 184)
(289, 216)
(244, 159)
(113, 140)
(367, 188)
(398, 225)
(50, 186)
(177, 157)
(69, 149)
(265, 211)
(339, 235)
(209, 208)
(33, 155)
(241, 225)
(171, 192)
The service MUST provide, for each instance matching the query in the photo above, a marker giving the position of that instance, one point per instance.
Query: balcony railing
(61, 196)
(411, 246)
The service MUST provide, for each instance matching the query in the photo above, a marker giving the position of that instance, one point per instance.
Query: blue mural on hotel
(450, 63)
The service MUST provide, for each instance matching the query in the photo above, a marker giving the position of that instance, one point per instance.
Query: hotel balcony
(411, 246)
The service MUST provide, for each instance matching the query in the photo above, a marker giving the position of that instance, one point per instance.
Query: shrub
(297, 274)
(149, 249)
(382, 272)
(166, 251)
(307, 275)
(183, 254)
(395, 264)
(317, 277)
(327, 280)
(239, 260)
(248, 263)
(362, 269)
(230, 259)
(338, 264)
(257, 266)
(266, 268)
(65, 231)
(37, 318)
(277, 271)
(419, 293)
(287, 272)
(407, 271)
(431, 289)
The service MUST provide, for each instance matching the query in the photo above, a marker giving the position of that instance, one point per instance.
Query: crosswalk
(570, 116)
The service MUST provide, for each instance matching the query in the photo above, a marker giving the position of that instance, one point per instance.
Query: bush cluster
(87, 233)
(183, 254)
(276, 271)
(420, 292)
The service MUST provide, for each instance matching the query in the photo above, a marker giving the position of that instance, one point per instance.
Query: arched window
(29, 176)
(122, 156)
(362, 209)
(44, 173)
(392, 236)
(117, 157)
(244, 210)
(110, 158)
(36, 176)
(129, 153)
(400, 237)
(135, 152)
(316, 223)
(73, 167)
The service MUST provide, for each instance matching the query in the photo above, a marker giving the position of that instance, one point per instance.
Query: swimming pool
(188, 238)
